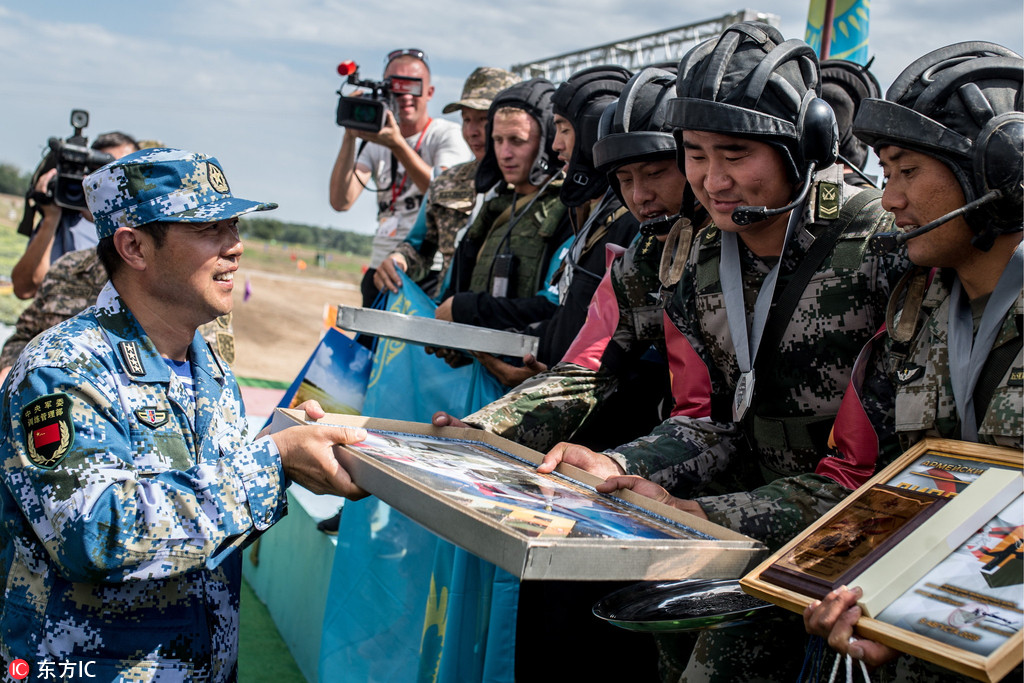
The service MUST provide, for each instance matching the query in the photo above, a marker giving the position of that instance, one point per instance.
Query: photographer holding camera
(400, 157)
(56, 194)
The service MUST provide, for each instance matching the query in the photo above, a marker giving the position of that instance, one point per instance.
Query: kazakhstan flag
(849, 29)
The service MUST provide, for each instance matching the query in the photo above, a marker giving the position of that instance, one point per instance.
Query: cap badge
(217, 179)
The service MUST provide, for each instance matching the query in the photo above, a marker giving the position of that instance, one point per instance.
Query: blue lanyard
(747, 340)
(967, 352)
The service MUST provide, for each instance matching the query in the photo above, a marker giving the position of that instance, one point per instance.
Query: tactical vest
(527, 237)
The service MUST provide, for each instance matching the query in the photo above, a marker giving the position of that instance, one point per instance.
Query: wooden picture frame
(970, 631)
(482, 493)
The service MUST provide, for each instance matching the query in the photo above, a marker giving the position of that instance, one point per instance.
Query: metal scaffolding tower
(635, 53)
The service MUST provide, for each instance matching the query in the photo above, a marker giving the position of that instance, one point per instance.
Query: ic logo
(18, 669)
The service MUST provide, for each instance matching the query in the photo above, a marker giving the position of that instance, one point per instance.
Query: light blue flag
(404, 605)
(849, 29)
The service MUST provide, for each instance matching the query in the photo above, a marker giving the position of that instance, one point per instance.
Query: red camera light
(347, 68)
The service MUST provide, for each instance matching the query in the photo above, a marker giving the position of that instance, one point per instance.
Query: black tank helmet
(750, 82)
(961, 104)
(533, 97)
(844, 85)
(581, 99)
(634, 128)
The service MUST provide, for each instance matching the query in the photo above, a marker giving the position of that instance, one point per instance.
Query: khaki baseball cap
(481, 87)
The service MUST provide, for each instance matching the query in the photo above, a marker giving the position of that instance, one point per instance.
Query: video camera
(74, 160)
(367, 111)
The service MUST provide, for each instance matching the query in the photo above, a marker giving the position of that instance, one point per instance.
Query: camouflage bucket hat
(481, 87)
(162, 185)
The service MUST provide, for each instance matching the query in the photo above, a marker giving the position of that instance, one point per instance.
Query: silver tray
(432, 332)
(688, 605)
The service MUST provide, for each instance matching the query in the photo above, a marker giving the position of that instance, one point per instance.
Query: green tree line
(13, 181)
(309, 235)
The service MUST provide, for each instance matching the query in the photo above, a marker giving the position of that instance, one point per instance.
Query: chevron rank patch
(49, 431)
(151, 417)
(828, 201)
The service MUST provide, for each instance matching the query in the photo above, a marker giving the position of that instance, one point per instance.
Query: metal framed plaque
(483, 493)
(944, 585)
(432, 332)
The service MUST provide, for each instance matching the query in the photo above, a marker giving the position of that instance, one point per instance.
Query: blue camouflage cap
(162, 184)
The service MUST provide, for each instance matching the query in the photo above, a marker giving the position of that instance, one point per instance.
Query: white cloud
(253, 82)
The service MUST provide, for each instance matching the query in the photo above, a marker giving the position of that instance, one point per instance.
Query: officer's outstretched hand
(833, 618)
(646, 487)
(582, 457)
(308, 457)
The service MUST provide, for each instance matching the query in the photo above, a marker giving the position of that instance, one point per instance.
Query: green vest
(527, 237)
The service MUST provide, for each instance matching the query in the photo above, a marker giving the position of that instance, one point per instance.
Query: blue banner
(404, 605)
(849, 29)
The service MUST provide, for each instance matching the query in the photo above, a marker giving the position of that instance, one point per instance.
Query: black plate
(680, 605)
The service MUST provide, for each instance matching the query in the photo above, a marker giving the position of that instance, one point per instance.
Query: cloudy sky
(253, 83)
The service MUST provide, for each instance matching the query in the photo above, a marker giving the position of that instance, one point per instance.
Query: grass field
(11, 247)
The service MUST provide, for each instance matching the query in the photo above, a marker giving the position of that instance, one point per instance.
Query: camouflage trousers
(767, 650)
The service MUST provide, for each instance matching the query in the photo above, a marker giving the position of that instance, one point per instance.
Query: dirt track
(279, 326)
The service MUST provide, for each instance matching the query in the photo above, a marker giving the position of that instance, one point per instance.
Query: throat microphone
(884, 242)
(745, 215)
(659, 226)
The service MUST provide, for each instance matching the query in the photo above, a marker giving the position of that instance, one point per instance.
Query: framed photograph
(483, 493)
(935, 542)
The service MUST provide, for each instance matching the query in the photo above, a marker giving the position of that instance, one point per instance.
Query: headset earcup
(819, 133)
(999, 155)
(998, 164)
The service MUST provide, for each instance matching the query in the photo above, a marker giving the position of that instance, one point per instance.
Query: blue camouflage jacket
(123, 512)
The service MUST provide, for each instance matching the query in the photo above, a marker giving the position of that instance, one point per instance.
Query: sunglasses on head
(407, 52)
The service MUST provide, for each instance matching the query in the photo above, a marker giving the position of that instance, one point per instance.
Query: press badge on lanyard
(387, 226)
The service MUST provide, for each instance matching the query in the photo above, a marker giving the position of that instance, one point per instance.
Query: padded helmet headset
(844, 85)
(533, 97)
(961, 104)
(749, 82)
(581, 99)
(634, 128)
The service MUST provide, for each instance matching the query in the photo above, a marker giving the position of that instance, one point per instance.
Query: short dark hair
(111, 259)
(114, 139)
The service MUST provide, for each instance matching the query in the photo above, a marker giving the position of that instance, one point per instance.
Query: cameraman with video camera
(57, 194)
(400, 157)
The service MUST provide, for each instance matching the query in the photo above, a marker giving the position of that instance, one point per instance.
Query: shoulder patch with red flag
(49, 431)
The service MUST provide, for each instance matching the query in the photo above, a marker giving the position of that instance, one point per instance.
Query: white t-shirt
(442, 146)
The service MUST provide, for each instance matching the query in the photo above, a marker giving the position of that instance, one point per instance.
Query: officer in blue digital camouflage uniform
(129, 484)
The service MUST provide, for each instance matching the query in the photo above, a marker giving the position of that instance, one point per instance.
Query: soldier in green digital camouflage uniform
(950, 132)
(128, 484)
(451, 199)
(70, 286)
(758, 364)
(625, 316)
